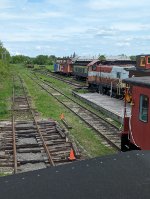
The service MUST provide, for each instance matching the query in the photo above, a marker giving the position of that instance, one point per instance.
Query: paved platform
(122, 176)
(113, 108)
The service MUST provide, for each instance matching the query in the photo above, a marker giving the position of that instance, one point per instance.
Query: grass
(4, 174)
(50, 68)
(3, 108)
(36, 67)
(5, 97)
(82, 91)
(49, 107)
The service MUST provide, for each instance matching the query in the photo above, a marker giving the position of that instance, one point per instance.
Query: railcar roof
(118, 58)
(119, 66)
(143, 55)
(139, 69)
(93, 62)
(139, 81)
(125, 175)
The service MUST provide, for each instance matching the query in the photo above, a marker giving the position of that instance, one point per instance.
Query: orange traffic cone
(62, 117)
(71, 156)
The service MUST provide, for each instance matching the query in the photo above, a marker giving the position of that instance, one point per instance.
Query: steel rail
(102, 135)
(38, 129)
(14, 132)
(62, 79)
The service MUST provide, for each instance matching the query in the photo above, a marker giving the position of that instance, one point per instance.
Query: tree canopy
(44, 59)
(102, 57)
(17, 59)
(133, 58)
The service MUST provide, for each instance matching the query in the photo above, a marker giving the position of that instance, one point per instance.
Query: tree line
(40, 59)
(4, 61)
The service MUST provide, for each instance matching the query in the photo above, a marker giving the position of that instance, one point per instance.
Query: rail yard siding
(111, 107)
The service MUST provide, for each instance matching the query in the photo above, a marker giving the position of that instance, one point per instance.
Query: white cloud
(134, 26)
(4, 4)
(104, 4)
(106, 32)
(26, 16)
(85, 26)
(115, 4)
(121, 44)
(16, 53)
(42, 47)
(38, 47)
(59, 2)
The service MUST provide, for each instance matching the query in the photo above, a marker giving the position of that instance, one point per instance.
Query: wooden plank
(75, 149)
(63, 135)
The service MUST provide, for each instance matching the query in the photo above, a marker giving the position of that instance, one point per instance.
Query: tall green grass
(4, 69)
(5, 89)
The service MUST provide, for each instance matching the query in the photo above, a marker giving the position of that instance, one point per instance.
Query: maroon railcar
(136, 133)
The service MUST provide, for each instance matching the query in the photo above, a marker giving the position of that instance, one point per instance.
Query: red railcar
(64, 67)
(67, 67)
(136, 133)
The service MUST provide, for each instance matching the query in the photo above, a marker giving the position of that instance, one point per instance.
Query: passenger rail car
(80, 68)
(80, 72)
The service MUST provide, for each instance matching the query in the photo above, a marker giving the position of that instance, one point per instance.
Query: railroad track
(106, 130)
(70, 82)
(27, 143)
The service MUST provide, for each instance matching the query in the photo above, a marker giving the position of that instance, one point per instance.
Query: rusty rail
(38, 129)
(14, 134)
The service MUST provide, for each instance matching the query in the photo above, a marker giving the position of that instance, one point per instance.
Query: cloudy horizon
(87, 27)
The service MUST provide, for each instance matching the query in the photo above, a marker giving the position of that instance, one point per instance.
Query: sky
(87, 27)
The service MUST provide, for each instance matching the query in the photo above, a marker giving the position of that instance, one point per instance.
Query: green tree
(133, 58)
(51, 59)
(18, 59)
(102, 58)
(41, 59)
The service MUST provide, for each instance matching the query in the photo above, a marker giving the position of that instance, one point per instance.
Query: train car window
(94, 67)
(148, 61)
(118, 75)
(144, 103)
(142, 61)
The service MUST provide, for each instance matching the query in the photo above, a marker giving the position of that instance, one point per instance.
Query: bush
(4, 69)
(3, 109)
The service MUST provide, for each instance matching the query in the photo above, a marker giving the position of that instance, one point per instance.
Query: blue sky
(88, 27)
